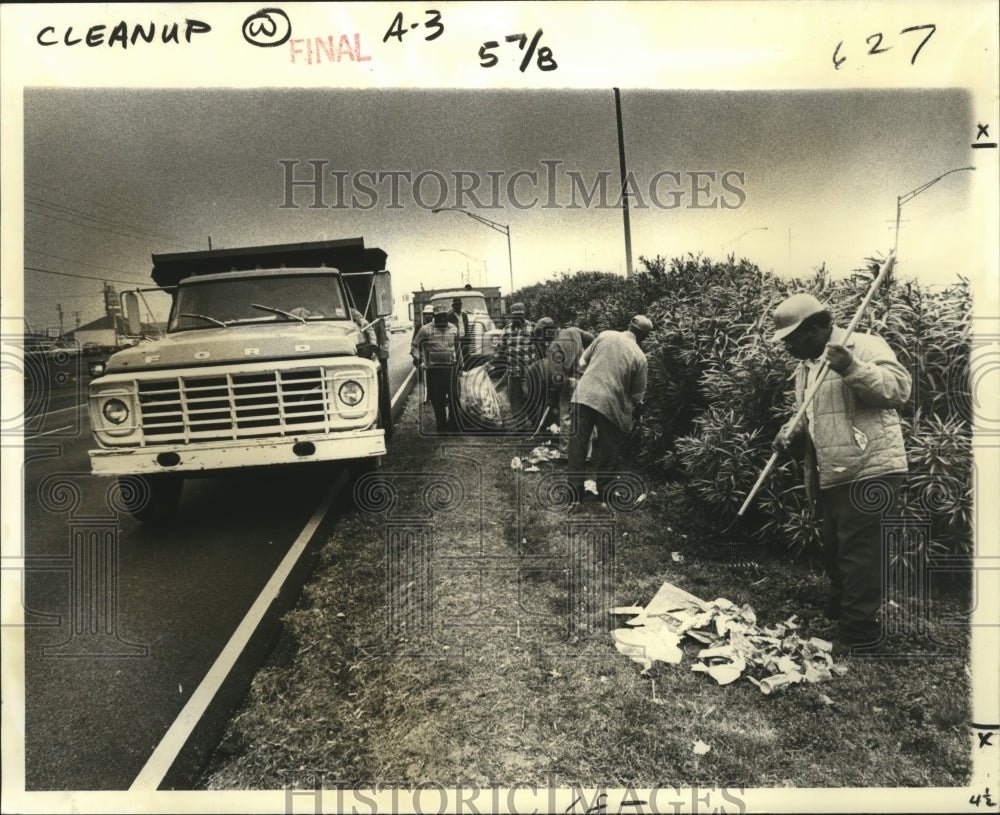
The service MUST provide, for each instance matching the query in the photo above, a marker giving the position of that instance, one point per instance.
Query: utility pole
(209, 243)
(60, 311)
(621, 167)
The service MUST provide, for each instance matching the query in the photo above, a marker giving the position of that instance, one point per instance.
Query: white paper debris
(515, 463)
(699, 748)
(735, 645)
(652, 641)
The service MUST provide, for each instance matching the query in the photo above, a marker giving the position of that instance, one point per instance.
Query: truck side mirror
(383, 294)
(133, 320)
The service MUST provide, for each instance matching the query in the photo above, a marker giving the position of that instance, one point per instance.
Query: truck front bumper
(207, 456)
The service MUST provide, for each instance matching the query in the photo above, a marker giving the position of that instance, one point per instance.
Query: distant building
(108, 330)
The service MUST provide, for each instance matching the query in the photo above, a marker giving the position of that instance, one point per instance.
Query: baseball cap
(789, 315)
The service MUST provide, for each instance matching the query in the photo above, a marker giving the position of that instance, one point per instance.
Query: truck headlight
(351, 393)
(115, 411)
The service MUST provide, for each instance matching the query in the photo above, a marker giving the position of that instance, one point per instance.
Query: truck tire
(150, 498)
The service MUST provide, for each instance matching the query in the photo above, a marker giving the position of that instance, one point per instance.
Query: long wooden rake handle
(824, 369)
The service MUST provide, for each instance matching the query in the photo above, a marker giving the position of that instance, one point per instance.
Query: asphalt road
(123, 620)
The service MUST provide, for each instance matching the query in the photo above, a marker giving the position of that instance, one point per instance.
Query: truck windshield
(469, 304)
(206, 303)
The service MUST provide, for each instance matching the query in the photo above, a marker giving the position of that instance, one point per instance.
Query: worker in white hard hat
(607, 398)
(855, 461)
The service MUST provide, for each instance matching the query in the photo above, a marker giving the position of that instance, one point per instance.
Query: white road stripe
(151, 775)
(163, 757)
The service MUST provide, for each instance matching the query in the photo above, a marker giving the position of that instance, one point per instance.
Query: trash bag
(477, 397)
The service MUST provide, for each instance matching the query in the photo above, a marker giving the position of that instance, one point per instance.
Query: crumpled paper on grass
(737, 646)
(652, 641)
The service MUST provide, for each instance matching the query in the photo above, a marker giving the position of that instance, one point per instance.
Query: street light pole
(504, 228)
(909, 196)
(740, 237)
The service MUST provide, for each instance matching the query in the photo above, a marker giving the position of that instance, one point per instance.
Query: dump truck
(273, 356)
(484, 307)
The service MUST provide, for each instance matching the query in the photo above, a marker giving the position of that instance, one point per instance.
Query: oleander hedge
(719, 390)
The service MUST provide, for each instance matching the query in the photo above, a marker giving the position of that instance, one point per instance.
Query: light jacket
(613, 381)
(437, 346)
(855, 431)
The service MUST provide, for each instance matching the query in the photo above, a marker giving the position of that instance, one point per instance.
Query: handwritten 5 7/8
(545, 61)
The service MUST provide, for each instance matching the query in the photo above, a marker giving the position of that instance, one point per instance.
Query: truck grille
(234, 406)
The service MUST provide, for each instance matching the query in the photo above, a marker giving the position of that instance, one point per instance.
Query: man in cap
(562, 357)
(460, 320)
(426, 316)
(607, 398)
(515, 353)
(436, 348)
(853, 447)
(538, 379)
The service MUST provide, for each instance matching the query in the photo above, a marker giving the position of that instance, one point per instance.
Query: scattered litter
(652, 641)
(531, 469)
(771, 657)
(641, 498)
(515, 463)
(180, 688)
(677, 557)
(590, 485)
(626, 611)
(544, 453)
(553, 428)
(341, 614)
(825, 699)
(699, 748)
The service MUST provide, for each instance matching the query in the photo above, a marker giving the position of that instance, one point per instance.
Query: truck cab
(273, 365)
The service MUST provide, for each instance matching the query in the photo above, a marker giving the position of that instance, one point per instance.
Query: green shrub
(719, 390)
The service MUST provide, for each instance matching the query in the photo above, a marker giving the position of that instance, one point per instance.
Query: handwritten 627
(880, 45)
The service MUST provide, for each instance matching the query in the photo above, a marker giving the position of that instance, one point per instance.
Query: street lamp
(468, 257)
(492, 225)
(740, 237)
(909, 196)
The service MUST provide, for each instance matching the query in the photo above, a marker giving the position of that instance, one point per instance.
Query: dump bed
(347, 255)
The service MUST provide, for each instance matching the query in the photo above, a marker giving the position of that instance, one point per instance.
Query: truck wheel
(150, 497)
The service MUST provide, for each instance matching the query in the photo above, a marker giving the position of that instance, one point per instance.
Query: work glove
(838, 358)
(416, 362)
(780, 444)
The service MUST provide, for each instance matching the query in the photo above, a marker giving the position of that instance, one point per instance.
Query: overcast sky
(800, 179)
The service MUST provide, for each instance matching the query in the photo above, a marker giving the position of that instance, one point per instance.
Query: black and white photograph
(501, 407)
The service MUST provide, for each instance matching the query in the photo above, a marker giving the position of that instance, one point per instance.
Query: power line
(125, 234)
(64, 208)
(34, 200)
(72, 260)
(84, 276)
